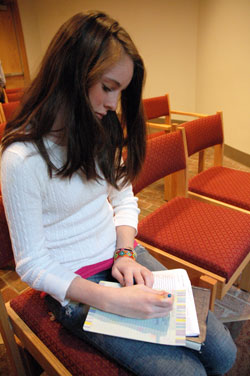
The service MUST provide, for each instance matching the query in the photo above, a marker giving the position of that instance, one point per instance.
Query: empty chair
(2, 127)
(7, 110)
(220, 185)
(158, 107)
(155, 108)
(14, 95)
(212, 243)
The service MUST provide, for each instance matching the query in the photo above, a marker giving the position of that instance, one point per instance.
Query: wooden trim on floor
(237, 155)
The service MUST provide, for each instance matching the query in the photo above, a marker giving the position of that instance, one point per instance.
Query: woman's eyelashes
(106, 88)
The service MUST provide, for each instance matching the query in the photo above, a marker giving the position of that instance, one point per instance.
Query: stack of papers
(170, 330)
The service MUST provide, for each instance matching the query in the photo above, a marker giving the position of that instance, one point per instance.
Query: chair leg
(245, 279)
(168, 195)
(9, 342)
(211, 284)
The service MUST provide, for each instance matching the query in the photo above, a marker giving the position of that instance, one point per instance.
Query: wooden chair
(218, 185)
(13, 95)
(156, 108)
(2, 127)
(28, 333)
(7, 110)
(5, 99)
(2, 114)
(212, 243)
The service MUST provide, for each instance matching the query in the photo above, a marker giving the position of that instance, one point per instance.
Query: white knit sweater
(59, 225)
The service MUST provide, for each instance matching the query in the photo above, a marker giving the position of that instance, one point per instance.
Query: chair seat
(209, 236)
(77, 356)
(223, 184)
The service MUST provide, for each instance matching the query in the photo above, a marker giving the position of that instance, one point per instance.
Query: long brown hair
(80, 52)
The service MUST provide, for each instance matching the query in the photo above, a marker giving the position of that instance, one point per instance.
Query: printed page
(177, 279)
(169, 330)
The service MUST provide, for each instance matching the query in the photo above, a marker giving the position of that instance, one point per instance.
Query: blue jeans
(217, 355)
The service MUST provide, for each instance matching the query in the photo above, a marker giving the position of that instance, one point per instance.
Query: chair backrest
(2, 128)
(156, 107)
(13, 97)
(14, 90)
(9, 109)
(165, 154)
(203, 133)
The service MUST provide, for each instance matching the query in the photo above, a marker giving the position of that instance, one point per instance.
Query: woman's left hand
(127, 271)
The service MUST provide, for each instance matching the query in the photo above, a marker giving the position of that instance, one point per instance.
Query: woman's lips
(99, 115)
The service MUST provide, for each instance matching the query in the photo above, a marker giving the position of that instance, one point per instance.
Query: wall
(196, 50)
(31, 32)
(165, 34)
(223, 61)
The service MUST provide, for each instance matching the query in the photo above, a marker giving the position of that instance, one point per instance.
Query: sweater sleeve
(21, 189)
(125, 206)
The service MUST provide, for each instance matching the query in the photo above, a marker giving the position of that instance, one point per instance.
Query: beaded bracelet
(127, 252)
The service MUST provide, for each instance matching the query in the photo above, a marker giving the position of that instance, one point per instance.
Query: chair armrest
(194, 114)
(160, 126)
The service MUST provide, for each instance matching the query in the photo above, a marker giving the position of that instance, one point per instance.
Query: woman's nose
(112, 102)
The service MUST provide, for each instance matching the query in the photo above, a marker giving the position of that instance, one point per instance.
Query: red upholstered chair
(14, 95)
(217, 184)
(212, 243)
(2, 127)
(25, 320)
(7, 110)
(156, 108)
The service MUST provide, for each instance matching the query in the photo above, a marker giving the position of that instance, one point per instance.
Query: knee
(227, 353)
(220, 350)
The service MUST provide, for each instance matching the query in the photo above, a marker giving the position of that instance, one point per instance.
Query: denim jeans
(217, 354)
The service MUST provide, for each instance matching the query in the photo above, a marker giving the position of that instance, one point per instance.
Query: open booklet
(170, 330)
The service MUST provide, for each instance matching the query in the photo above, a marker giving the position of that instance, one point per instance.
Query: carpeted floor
(4, 363)
(240, 331)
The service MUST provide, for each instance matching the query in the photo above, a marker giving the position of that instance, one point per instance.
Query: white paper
(168, 330)
(177, 279)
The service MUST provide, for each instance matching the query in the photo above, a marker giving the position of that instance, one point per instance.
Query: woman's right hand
(138, 301)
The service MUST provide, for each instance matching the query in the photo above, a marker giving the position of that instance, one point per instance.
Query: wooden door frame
(20, 39)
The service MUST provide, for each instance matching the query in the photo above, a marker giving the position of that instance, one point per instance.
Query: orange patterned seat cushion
(214, 238)
(223, 184)
(77, 356)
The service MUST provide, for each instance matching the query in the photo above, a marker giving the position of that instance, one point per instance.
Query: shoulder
(20, 151)
(21, 157)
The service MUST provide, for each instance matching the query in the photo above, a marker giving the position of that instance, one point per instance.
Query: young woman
(69, 203)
